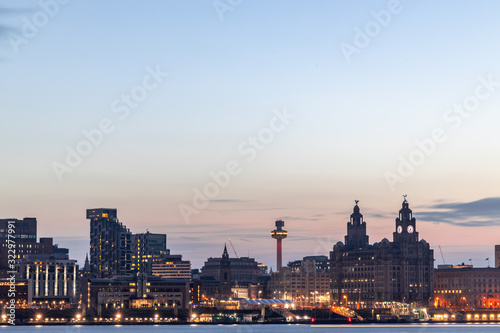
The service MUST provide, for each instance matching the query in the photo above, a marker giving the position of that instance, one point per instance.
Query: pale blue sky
(353, 120)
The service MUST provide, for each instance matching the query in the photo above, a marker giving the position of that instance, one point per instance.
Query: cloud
(231, 201)
(378, 216)
(479, 213)
(298, 218)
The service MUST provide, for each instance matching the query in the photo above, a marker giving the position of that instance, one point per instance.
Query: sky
(208, 120)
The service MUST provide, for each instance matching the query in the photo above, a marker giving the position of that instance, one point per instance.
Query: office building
(23, 289)
(147, 249)
(25, 231)
(172, 267)
(244, 270)
(53, 279)
(322, 263)
(497, 256)
(401, 270)
(135, 292)
(305, 282)
(464, 287)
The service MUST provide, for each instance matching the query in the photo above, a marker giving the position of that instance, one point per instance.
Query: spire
(86, 267)
(225, 254)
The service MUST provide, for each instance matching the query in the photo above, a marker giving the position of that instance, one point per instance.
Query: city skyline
(208, 123)
(267, 255)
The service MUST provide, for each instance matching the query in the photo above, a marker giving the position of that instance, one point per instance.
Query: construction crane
(233, 248)
(442, 257)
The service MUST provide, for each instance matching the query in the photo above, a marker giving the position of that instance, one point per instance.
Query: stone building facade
(363, 274)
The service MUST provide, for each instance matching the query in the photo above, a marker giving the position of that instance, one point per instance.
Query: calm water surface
(413, 328)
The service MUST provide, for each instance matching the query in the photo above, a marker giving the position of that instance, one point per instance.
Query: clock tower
(406, 229)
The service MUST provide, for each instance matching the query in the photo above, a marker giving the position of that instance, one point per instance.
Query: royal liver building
(401, 270)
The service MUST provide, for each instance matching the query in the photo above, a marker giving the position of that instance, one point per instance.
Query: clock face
(410, 229)
(399, 229)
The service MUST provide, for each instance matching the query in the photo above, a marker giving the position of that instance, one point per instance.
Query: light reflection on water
(410, 328)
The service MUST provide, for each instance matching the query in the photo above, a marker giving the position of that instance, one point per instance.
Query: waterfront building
(23, 293)
(53, 279)
(172, 267)
(322, 263)
(305, 282)
(464, 287)
(400, 271)
(137, 291)
(497, 256)
(244, 270)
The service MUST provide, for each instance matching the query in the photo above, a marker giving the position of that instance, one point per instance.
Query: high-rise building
(279, 234)
(109, 244)
(25, 229)
(497, 256)
(25, 232)
(401, 270)
(147, 249)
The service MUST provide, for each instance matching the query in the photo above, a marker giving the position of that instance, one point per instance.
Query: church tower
(225, 275)
(356, 230)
